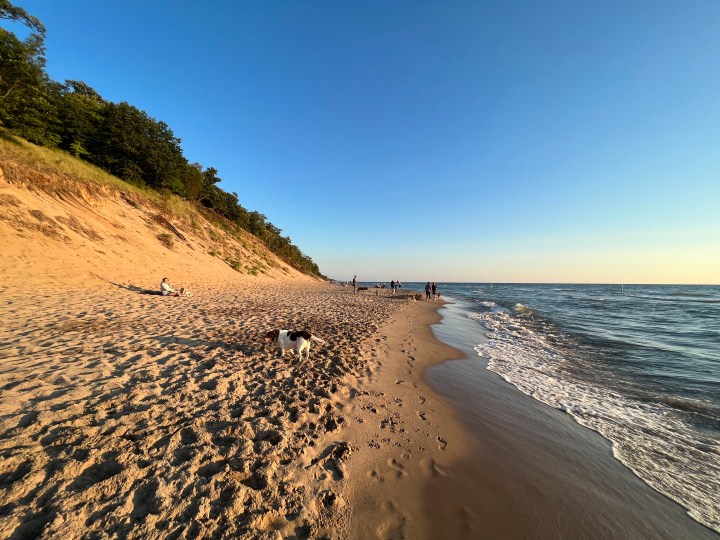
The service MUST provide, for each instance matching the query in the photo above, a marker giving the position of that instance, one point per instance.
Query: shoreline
(463, 454)
(160, 417)
(544, 475)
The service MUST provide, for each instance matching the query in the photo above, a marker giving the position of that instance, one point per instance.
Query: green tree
(140, 149)
(17, 14)
(80, 110)
(120, 141)
(162, 159)
(193, 180)
(27, 97)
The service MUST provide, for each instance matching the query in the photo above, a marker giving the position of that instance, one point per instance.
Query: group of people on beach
(431, 291)
(394, 285)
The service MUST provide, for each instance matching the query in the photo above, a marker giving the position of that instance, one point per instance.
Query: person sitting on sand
(167, 290)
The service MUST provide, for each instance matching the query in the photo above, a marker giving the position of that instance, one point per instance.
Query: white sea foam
(650, 439)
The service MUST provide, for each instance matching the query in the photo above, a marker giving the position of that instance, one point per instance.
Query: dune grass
(53, 161)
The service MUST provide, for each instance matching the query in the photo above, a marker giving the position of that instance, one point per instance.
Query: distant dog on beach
(300, 341)
(362, 288)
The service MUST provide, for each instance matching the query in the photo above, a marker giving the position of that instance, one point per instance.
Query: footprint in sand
(374, 475)
(392, 522)
(398, 468)
(434, 468)
(442, 443)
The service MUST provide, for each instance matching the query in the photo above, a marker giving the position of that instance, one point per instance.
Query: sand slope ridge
(57, 230)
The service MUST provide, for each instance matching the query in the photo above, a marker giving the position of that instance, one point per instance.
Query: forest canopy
(117, 137)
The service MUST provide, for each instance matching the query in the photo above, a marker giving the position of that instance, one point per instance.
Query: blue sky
(551, 141)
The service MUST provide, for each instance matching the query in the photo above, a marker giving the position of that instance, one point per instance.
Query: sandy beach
(125, 414)
(131, 415)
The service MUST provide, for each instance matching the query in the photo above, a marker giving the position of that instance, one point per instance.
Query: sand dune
(59, 231)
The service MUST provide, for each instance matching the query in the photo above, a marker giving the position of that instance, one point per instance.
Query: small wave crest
(693, 406)
(674, 298)
(690, 294)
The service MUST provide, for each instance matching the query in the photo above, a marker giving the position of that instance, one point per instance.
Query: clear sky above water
(561, 141)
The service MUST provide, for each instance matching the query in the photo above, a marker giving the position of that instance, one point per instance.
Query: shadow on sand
(244, 349)
(137, 289)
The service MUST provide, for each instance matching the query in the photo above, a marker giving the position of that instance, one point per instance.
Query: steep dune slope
(57, 229)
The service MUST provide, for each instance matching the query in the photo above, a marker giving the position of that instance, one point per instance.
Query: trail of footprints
(162, 427)
(391, 520)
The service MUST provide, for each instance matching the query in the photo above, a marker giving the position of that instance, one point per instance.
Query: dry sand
(131, 415)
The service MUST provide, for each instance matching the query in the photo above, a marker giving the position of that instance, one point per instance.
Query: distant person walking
(434, 290)
(354, 282)
(428, 290)
(392, 286)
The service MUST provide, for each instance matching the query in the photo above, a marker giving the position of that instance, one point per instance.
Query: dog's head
(271, 336)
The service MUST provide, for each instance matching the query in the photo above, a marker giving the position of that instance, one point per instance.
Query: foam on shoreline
(543, 475)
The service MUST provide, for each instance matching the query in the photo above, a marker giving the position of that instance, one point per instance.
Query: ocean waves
(669, 441)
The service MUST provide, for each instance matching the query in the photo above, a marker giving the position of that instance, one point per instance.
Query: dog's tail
(317, 339)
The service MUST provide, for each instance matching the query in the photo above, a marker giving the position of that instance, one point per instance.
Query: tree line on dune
(117, 137)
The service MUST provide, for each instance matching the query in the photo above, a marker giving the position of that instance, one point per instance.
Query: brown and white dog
(300, 341)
